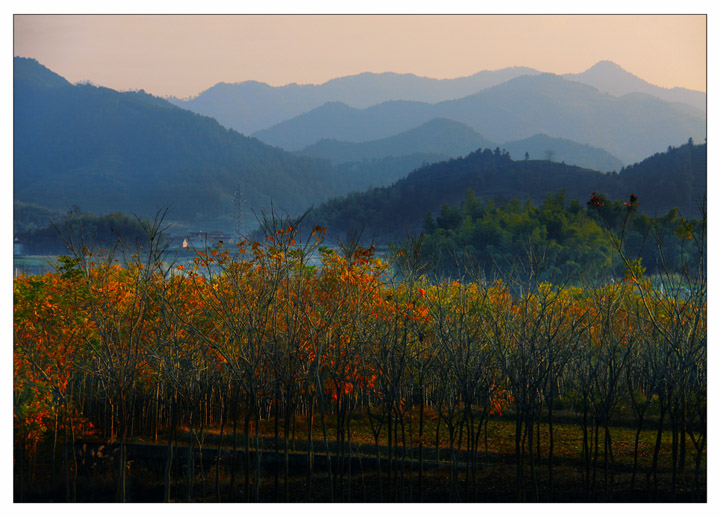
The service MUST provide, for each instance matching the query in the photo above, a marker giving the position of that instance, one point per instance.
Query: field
(366, 479)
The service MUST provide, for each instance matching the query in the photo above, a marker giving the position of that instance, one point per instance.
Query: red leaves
(500, 400)
(50, 327)
(596, 200)
(633, 201)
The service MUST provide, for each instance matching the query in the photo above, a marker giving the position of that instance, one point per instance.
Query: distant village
(196, 240)
(199, 240)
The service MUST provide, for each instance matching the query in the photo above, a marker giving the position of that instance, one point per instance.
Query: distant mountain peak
(610, 70)
(610, 77)
(606, 65)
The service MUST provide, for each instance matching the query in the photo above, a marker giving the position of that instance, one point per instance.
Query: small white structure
(18, 248)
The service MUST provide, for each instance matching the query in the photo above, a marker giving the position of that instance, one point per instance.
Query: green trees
(564, 240)
(95, 231)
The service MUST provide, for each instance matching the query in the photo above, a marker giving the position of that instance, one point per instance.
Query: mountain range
(252, 106)
(111, 151)
(445, 139)
(630, 127)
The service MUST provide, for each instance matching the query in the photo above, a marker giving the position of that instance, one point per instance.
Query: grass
(567, 436)
(495, 480)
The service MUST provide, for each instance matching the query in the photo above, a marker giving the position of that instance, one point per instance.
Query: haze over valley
(108, 151)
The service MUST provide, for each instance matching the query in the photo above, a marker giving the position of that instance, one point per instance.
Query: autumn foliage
(288, 329)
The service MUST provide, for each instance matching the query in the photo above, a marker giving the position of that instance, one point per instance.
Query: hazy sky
(186, 54)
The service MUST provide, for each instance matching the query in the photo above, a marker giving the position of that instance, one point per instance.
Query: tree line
(563, 240)
(675, 178)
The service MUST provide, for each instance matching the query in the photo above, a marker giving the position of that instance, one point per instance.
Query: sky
(182, 55)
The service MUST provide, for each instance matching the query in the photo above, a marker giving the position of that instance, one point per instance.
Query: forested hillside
(132, 152)
(674, 179)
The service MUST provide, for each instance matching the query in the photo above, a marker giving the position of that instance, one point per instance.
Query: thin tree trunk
(257, 457)
(190, 467)
(421, 449)
(698, 459)
(611, 457)
(248, 415)
(389, 453)
(533, 479)
(122, 459)
(233, 465)
(348, 458)
(223, 415)
(586, 453)
(437, 437)
(404, 454)
(518, 457)
(683, 427)
(596, 437)
(157, 411)
(66, 464)
(286, 433)
(656, 452)
(635, 450)
(276, 410)
(674, 449)
(308, 482)
(54, 444)
(420, 440)
(551, 449)
(327, 450)
(20, 451)
(169, 461)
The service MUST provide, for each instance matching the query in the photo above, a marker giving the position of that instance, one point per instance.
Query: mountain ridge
(452, 139)
(630, 128)
(129, 151)
(251, 106)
